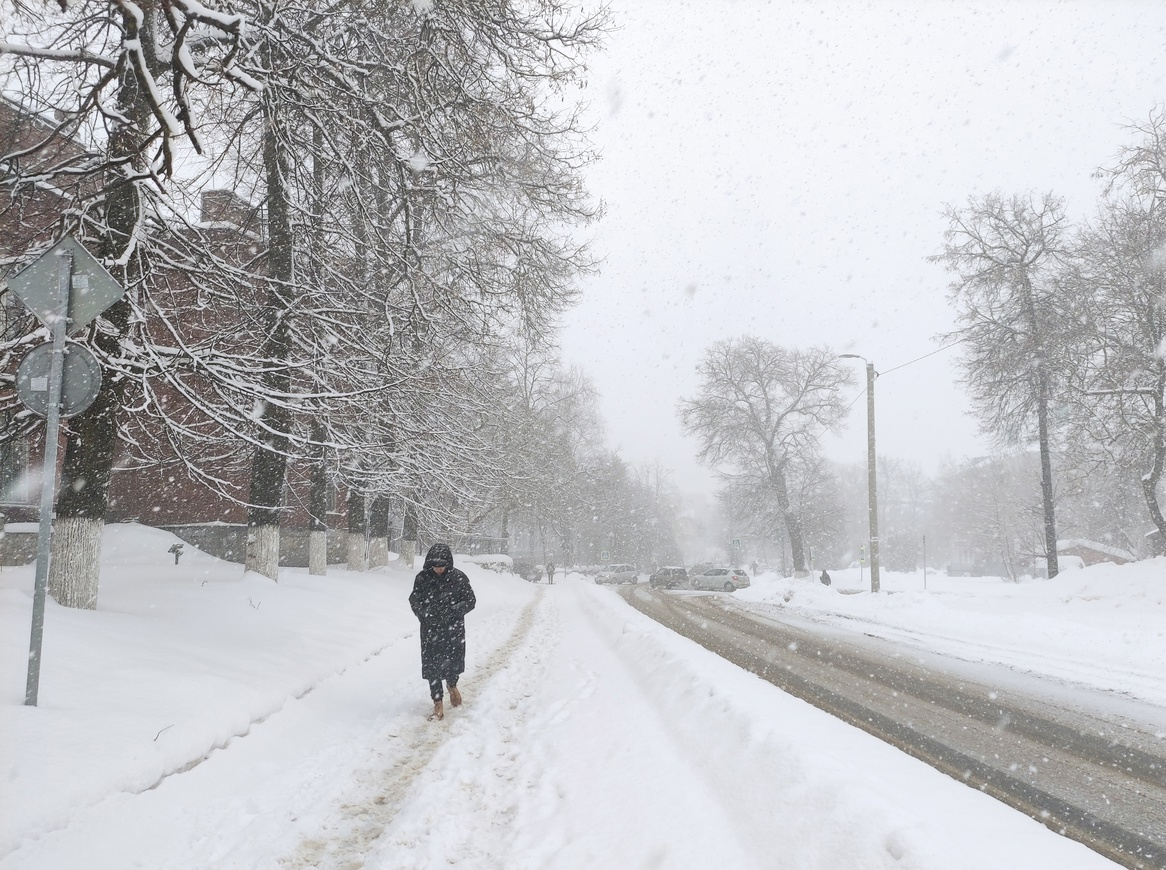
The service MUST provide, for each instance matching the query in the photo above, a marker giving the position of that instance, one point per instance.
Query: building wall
(161, 491)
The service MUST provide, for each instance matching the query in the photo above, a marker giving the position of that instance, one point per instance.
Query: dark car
(527, 570)
(669, 577)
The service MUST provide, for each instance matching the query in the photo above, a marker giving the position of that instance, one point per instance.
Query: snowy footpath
(205, 718)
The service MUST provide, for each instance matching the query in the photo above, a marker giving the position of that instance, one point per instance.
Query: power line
(925, 356)
(904, 365)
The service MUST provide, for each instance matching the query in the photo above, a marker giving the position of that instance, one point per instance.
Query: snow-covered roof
(1116, 552)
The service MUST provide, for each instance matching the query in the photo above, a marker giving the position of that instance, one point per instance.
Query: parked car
(712, 577)
(527, 570)
(669, 577)
(617, 574)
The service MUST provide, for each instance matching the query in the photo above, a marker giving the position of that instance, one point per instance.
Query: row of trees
(986, 514)
(980, 515)
(1063, 333)
(381, 321)
(1062, 325)
(568, 497)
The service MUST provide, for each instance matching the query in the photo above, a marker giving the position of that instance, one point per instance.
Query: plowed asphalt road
(1070, 759)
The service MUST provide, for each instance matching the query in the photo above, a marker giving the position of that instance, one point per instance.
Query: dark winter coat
(441, 602)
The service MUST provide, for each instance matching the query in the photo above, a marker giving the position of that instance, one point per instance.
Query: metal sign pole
(49, 474)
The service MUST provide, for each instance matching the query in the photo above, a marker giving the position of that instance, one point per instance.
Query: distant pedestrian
(551, 572)
(825, 578)
(440, 599)
(753, 567)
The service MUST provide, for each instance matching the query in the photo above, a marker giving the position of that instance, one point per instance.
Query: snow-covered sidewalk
(201, 718)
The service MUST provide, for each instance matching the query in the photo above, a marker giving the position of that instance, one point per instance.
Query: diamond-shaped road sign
(94, 289)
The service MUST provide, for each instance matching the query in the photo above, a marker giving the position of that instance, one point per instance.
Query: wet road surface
(1077, 766)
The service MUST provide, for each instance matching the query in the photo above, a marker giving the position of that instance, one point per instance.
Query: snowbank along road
(1073, 763)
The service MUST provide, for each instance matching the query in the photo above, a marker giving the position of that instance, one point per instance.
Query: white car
(728, 579)
(618, 574)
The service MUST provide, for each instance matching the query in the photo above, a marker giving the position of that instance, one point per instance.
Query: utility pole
(872, 476)
(871, 470)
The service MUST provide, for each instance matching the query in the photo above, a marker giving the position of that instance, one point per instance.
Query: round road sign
(79, 386)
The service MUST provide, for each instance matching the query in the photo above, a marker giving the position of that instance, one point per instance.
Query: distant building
(1092, 552)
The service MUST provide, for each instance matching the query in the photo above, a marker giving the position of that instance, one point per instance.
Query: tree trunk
(267, 478)
(318, 493)
(263, 549)
(793, 523)
(378, 552)
(318, 509)
(568, 541)
(378, 533)
(76, 550)
(409, 535)
(270, 465)
(1046, 473)
(357, 552)
(83, 499)
(318, 553)
(1151, 479)
(357, 527)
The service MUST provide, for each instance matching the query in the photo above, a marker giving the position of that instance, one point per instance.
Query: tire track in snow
(410, 746)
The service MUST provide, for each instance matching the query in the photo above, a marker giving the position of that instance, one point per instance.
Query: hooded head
(439, 554)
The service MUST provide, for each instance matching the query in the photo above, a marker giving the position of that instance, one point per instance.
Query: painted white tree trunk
(378, 552)
(263, 551)
(318, 554)
(409, 552)
(357, 553)
(74, 560)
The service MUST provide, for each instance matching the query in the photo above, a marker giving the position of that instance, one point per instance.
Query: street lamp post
(871, 470)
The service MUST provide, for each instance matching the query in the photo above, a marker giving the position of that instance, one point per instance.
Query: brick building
(162, 491)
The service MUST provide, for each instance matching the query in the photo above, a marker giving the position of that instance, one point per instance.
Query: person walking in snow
(440, 599)
(550, 572)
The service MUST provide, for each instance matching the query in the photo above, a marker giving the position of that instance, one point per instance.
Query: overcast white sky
(780, 169)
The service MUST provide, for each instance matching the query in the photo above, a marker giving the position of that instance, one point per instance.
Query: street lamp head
(851, 356)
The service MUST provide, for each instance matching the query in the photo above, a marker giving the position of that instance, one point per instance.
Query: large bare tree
(455, 167)
(761, 410)
(1008, 255)
(1120, 285)
(415, 174)
(114, 77)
